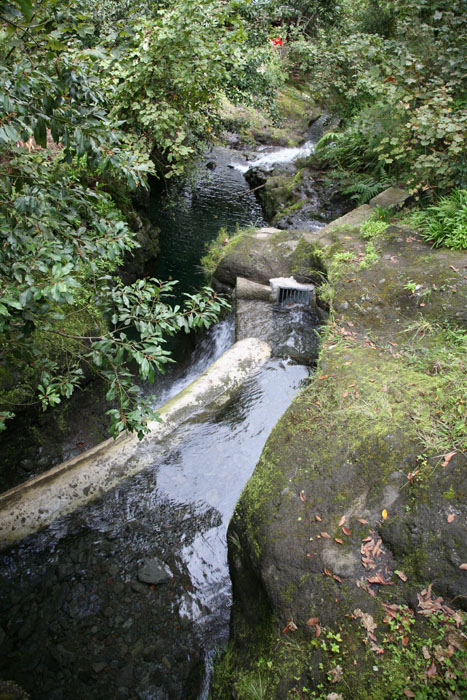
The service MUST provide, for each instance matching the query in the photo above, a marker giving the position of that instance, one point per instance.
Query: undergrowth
(444, 223)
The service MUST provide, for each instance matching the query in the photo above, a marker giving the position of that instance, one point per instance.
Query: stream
(78, 617)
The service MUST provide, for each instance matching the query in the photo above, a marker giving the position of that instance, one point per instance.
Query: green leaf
(40, 132)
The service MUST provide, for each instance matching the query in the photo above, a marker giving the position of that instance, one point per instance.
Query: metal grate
(288, 295)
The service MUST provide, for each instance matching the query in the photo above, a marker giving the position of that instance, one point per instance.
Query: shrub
(444, 223)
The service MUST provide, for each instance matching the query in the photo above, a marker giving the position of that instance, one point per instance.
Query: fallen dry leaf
(451, 517)
(302, 496)
(336, 674)
(447, 458)
(411, 475)
(463, 567)
(346, 531)
(325, 534)
(401, 575)
(362, 521)
(377, 548)
(367, 589)
(431, 670)
(345, 394)
(384, 514)
(426, 653)
(317, 630)
(366, 620)
(456, 639)
(338, 578)
(318, 518)
(327, 571)
(338, 539)
(367, 539)
(408, 693)
(312, 621)
(380, 580)
(342, 520)
(456, 269)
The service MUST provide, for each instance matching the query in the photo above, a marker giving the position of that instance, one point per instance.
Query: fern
(329, 139)
(363, 187)
(444, 223)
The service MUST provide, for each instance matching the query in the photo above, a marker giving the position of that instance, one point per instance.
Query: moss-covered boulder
(262, 254)
(246, 126)
(351, 531)
(296, 197)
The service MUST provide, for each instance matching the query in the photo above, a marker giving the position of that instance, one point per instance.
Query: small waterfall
(277, 156)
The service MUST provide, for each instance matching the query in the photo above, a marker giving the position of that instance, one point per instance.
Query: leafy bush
(62, 237)
(401, 97)
(170, 83)
(444, 223)
(377, 19)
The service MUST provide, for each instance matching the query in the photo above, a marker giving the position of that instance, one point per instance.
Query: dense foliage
(170, 82)
(444, 223)
(395, 72)
(72, 144)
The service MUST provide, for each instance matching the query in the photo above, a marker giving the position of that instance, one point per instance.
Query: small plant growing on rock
(373, 228)
(444, 223)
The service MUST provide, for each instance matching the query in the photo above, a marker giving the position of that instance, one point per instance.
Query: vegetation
(393, 72)
(411, 658)
(444, 223)
(73, 145)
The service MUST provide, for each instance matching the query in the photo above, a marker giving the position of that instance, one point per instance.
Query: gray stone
(154, 571)
(138, 587)
(99, 666)
(246, 289)
(393, 197)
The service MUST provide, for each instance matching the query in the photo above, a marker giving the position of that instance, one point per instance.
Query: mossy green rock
(296, 108)
(372, 452)
(267, 253)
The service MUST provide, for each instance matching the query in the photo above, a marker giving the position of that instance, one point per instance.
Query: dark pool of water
(219, 198)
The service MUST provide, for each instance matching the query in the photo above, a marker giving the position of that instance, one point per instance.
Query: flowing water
(269, 157)
(76, 621)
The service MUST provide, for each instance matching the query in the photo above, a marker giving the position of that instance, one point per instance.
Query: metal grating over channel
(290, 295)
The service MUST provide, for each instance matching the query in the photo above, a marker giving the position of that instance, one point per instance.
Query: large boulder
(348, 540)
(294, 197)
(261, 254)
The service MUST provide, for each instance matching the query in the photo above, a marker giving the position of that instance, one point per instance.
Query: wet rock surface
(294, 197)
(35, 440)
(268, 253)
(124, 598)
